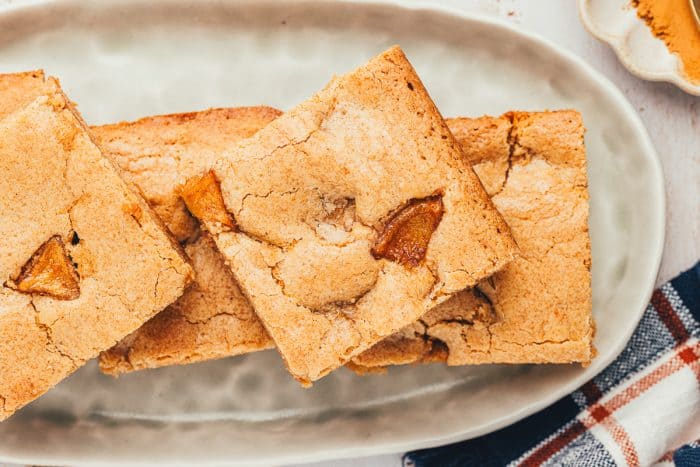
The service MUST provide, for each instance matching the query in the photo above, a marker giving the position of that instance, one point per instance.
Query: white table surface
(671, 116)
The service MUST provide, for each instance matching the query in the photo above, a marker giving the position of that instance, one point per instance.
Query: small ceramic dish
(616, 23)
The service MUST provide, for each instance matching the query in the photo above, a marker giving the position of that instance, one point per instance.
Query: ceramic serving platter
(127, 59)
(616, 23)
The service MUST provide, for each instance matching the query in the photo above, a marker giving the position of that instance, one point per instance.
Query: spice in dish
(672, 21)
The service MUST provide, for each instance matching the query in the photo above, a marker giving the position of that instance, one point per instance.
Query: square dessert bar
(538, 308)
(212, 319)
(84, 262)
(350, 216)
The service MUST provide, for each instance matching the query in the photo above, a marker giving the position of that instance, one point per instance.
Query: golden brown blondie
(350, 216)
(212, 319)
(538, 308)
(84, 261)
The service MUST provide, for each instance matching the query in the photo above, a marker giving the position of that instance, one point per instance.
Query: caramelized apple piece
(50, 272)
(406, 236)
(203, 198)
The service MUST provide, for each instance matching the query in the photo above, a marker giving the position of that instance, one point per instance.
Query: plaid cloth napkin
(630, 414)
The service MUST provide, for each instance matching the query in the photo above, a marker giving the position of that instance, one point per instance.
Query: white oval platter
(126, 59)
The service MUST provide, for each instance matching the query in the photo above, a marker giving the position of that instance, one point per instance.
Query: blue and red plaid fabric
(630, 414)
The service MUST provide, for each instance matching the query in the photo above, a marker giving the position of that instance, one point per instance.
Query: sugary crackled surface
(212, 319)
(311, 191)
(538, 308)
(54, 182)
(158, 153)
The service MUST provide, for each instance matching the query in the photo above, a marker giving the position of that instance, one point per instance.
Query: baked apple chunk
(50, 271)
(406, 236)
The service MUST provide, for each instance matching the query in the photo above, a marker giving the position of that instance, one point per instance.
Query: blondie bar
(350, 216)
(212, 319)
(84, 261)
(538, 308)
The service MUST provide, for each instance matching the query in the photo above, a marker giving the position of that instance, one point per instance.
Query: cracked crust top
(310, 194)
(538, 308)
(158, 153)
(212, 319)
(57, 186)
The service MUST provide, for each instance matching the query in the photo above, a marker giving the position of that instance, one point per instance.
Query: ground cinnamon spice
(672, 21)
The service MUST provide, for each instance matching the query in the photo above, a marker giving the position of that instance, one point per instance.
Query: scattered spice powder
(673, 22)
